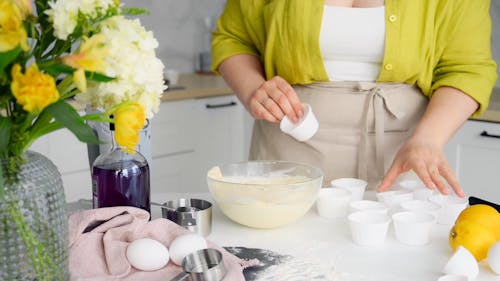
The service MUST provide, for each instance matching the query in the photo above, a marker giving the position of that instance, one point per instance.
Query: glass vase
(33, 223)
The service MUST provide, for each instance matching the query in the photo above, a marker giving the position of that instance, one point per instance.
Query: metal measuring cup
(192, 214)
(202, 265)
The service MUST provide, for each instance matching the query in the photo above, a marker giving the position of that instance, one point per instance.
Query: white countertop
(323, 244)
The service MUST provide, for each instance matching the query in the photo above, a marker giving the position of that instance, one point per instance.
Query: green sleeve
(466, 61)
(231, 36)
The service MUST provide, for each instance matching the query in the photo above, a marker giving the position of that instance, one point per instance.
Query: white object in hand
(462, 262)
(147, 254)
(305, 129)
(184, 245)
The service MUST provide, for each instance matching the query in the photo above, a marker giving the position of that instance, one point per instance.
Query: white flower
(64, 14)
(132, 61)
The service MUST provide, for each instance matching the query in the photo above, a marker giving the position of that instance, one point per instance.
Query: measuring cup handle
(157, 204)
(181, 276)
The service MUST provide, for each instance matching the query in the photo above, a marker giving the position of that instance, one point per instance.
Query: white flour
(303, 265)
(305, 269)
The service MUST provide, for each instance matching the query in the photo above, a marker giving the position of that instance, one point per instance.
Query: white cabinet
(474, 153)
(71, 158)
(190, 136)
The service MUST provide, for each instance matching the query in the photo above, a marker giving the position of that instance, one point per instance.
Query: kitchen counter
(192, 85)
(318, 246)
(492, 114)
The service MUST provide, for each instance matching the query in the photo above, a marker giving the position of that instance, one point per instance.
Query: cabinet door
(172, 129)
(474, 152)
(221, 134)
(191, 136)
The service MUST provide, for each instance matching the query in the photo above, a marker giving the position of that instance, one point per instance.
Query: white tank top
(352, 42)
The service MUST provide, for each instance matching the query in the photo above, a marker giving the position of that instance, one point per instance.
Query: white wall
(179, 26)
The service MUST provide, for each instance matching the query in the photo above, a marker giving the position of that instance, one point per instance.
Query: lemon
(473, 236)
(483, 214)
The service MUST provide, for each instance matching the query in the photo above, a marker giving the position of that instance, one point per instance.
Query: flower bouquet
(57, 53)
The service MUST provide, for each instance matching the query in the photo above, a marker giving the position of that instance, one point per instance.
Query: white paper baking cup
(368, 205)
(420, 206)
(451, 207)
(368, 228)
(420, 191)
(305, 129)
(333, 202)
(393, 198)
(357, 187)
(413, 228)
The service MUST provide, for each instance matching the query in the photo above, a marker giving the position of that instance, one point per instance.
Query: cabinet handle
(211, 106)
(486, 134)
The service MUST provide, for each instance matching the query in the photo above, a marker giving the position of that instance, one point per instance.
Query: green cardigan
(430, 43)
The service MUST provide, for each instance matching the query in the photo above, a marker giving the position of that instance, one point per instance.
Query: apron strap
(376, 101)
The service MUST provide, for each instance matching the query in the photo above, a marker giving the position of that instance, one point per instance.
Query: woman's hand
(448, 109)
(274, 99)
(428, 162)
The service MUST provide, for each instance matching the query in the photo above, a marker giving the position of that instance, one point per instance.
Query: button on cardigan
(430, 43)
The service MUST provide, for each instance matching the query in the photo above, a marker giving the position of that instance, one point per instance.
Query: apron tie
(377, 101)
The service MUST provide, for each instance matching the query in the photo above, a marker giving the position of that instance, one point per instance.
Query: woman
(389, 81)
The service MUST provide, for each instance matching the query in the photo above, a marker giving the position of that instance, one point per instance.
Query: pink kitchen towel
(98, 240)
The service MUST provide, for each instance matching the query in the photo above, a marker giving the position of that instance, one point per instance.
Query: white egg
(185, 244)
(147, 254)
(462, 262)
(494, 257)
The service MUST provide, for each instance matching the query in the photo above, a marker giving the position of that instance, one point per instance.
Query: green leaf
(66, 115)
(95, 76)
(55, 69)
(6, 58)
(5, 126)
(134, 11)
(2, 182)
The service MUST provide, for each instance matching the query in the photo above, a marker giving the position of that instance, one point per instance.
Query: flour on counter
(305, 269)
(277, 267)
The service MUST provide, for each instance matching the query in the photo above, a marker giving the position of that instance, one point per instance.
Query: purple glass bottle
(121, 179)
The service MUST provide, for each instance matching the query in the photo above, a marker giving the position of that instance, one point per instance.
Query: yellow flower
(80, 80)
(25, 6)
(90, 56)
(129, 120)
(12, 32)
(33, 90)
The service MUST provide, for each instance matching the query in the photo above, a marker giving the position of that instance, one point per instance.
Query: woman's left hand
(428, 162)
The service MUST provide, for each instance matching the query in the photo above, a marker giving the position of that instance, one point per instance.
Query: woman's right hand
(273, 100)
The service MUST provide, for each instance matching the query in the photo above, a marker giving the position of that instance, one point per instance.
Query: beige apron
(361, 127)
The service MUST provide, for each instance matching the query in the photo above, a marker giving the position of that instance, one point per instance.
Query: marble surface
(324, 248)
